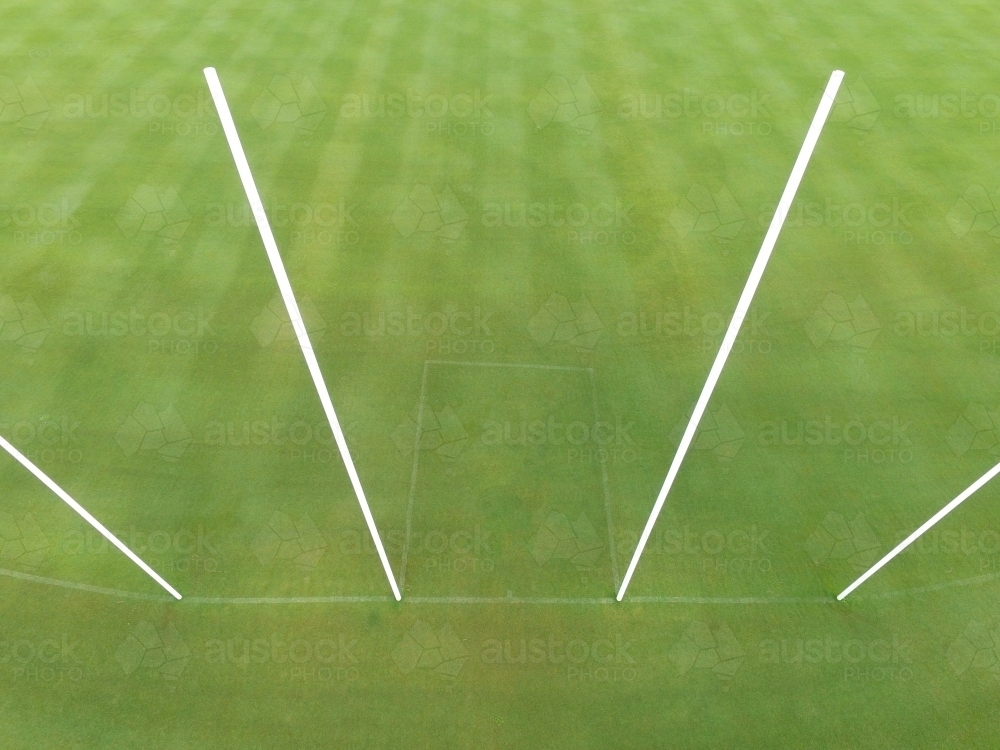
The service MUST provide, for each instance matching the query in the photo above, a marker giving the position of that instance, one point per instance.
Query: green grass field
(526, 225)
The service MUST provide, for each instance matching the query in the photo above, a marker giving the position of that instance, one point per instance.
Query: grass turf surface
(443, 215)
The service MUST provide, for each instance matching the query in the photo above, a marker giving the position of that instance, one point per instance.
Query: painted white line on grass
(505, 364)
(731, 600)
(414, 471)
(348, 599)
(291, 600)
(930, 588)
(260, 216)
(64, 496)
(527, 600)
(514, 600)
(742, 307)
(83, 586)
(919, 532)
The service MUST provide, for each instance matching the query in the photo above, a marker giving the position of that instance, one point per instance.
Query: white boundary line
(505, 364)
(89, 588)
(292, 600)
(356, 599)
(64, 496)
(742, 307)
(260, 216)
(919, 532)
(514, 600)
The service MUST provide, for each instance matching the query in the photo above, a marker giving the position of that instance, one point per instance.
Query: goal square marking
(487, 529)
